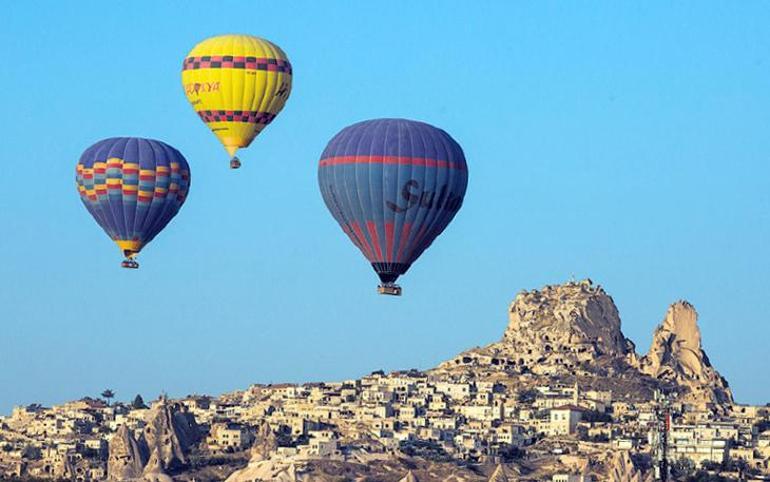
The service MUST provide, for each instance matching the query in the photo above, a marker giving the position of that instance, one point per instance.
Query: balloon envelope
(237, 84)
(393, 185)
(132, 187)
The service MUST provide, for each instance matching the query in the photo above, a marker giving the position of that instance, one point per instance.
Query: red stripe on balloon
(346, 229)
(416, 242)
(388, 242)
(400, 160)
(372, 228)
(367, 249)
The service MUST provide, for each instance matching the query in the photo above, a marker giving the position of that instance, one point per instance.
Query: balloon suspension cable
(389, 289)
(235, 163)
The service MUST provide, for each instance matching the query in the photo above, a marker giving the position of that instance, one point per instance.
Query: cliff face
(265, 444)
(169, 435)
(574, 330)
(127, 457)
(162, 446)
(498, 475)
(577, 321)
(564, 329)
(620, 468)
(676, 355)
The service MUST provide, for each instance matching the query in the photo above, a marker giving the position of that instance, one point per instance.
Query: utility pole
(662, 429)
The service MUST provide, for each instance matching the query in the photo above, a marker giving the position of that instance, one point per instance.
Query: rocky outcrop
(156, 477)
(498, 475)
(676, 355)
(265, 442)
(573, 331)
(127, 457)
(277, 471)
(559, 329)
(409, 477)
(620, 468)
(572, 314)
(162, 446)
(169, 434)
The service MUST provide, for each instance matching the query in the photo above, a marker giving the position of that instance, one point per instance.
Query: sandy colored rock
(272, 470)
(265, 442)
(409, 477)
(169, 434)
(572, 314)
(498, 475)
(127, 457)
(573, 331)
(558, 329)
(676, 355)
(157, 477)
(620, 468)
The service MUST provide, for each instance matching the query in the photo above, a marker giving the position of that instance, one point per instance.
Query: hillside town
(586, 409)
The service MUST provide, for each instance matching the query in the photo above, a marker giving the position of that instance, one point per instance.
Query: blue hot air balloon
(132, 187)
(393, 185)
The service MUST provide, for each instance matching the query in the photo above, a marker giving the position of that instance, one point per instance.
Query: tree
(509, 453)
(107, 395)
(682, 468)
(138, 402)
(528, 396)
(594, 416)
(706, 476)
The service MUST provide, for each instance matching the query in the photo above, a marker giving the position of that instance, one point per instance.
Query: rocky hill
(573, 330)
(676, 355)
(162, 446)
(560, 336)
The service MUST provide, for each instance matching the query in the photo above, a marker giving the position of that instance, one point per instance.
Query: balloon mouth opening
(129, 248)
(389, 272)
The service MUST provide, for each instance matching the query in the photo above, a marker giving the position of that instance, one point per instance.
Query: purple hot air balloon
(393, 185)
(132, 187)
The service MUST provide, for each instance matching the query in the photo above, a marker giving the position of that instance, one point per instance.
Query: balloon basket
(235, 163)
(129, 264)
(391, 289)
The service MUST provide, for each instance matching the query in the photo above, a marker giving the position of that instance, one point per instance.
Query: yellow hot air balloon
(237, 84)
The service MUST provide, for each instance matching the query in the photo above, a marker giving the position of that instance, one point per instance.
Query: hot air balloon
(393, 185)
(237, 84)
(132, 187)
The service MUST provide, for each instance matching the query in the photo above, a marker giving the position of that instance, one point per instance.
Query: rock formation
(127, 457)
(162, 446)
(676, 355)
(156, 477)
(573, 331)
(409, 477)
(576, 313)
(169, 434)
(620, 468)
(499, 475)
(265, 443)
(276, 471)
(559, 329)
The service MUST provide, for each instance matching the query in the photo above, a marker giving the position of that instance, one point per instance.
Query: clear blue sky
(626, 142)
